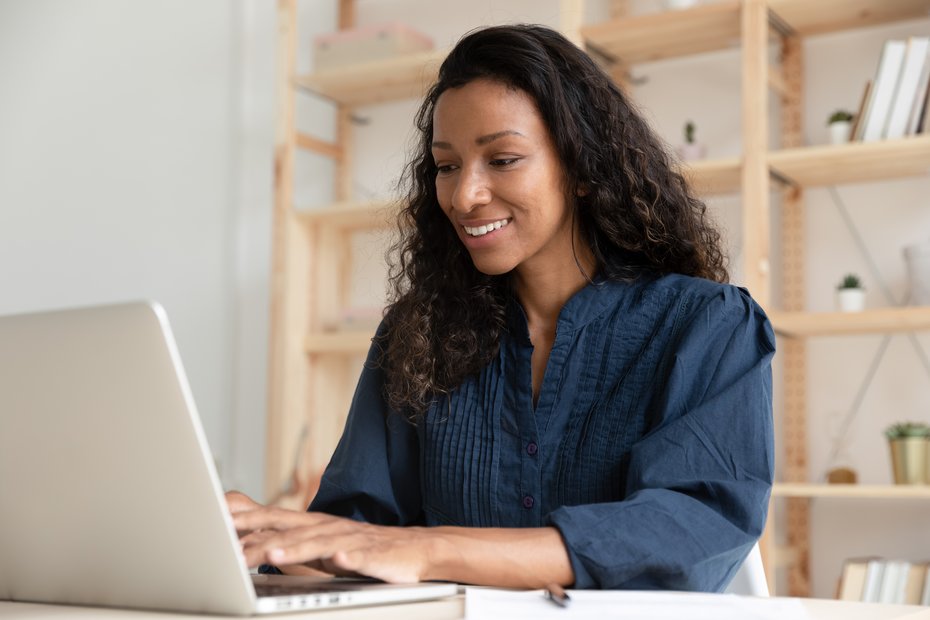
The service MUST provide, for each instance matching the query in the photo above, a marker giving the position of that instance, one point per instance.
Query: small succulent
(840, 116)
(689, 132)
(903, 430)
(850, 280)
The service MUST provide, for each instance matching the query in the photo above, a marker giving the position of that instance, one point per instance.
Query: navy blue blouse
(650, 447)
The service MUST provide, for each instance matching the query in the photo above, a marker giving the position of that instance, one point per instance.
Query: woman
(564, 389)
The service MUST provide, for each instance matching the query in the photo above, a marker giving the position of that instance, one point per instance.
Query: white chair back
(750, 578)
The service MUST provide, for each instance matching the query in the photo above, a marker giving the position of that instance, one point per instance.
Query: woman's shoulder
(691, 301)
(696, 293)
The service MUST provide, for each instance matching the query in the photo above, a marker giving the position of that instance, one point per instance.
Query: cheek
(443, 196)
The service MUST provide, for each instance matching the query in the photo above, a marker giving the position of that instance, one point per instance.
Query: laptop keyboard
(296, 589)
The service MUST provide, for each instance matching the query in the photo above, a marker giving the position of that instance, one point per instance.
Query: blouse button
(532, 448)
(528, 501)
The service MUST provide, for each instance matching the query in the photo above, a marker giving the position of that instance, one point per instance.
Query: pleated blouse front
(650, 446)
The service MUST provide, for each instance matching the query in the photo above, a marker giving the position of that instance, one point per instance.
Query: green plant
(689, 132)
(850, 280)
(903, 430)
(840, 116)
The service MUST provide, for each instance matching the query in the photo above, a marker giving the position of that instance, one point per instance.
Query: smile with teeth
(479, 231)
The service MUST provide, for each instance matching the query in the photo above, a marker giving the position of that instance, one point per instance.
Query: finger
(238, 502)
(302, 547)
(372, 563)
(277, 519)
(255, 538)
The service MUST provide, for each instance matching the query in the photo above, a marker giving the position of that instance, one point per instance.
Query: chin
(492, 268)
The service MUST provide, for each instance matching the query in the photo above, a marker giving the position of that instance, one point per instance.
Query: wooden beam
(571, 17)
(279, 453)
(329, 149)
(755, 174)
(347, 14)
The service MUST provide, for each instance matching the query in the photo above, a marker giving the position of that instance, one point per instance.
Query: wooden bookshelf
(812, 17)
(390, 79)
(347, 342)
(850, 491)
(714, 176)
(313, 366)
(350, 215)
(854, 162)
(880, 321)
(668, 34)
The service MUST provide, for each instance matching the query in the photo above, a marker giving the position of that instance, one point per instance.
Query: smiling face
(500, 180)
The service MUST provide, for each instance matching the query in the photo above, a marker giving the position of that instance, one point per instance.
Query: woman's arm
(504, 557)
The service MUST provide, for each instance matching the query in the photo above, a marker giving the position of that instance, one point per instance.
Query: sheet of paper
(487, 603)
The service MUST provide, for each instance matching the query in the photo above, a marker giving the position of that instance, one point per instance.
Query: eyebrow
(481, 140)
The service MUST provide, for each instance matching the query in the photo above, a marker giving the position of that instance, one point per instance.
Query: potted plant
(850, 295)
(909, 443)
(840, 124)
(691, 150)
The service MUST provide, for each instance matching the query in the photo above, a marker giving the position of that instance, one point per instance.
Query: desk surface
(448, 609)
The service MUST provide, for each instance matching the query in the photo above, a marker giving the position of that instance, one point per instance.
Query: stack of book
(896, 100)
(879, 580)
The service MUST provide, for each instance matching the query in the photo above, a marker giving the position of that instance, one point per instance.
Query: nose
(471, 190)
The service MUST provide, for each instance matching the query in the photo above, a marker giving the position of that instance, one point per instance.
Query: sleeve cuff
(561, 520)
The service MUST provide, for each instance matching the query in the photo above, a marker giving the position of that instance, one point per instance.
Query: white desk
(448, 609)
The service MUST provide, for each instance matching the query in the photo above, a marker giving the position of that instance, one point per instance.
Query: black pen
(557, 595)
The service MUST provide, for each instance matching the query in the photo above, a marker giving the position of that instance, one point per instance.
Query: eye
(445, 169)
(504, 162)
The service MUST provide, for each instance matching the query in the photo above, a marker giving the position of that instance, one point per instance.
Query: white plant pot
(839, 132)
(692, 152)
(679, 4)
(850, 299)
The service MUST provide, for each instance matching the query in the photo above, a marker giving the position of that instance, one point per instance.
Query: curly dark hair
(635, 211)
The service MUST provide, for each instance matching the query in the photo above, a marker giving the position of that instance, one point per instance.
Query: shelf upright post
(571, 17)
(755, 174)
(289, 267)
(793, 351)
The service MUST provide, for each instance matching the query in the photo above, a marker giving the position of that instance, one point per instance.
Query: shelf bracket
(321, 147)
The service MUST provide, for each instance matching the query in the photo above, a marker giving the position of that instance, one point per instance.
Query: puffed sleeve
(699, 480)
(374, 473)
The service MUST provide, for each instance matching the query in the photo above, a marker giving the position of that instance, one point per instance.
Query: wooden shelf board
(391, 79)
(809, 17)
(714, 176)
(339, 342)
(854, 162)
(350, 215)
(885, 320)
(667, 34)
(851, 491)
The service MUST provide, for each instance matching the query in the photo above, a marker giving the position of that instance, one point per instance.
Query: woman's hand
(300, 542)
(335, 545)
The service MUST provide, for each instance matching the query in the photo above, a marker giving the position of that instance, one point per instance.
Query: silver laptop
(108, 494)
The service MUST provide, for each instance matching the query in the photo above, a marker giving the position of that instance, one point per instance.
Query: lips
(483, 229)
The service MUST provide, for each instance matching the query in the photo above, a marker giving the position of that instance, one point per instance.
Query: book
(891, 576)
(852, 583)
(920, 101)
(902, 103)
(883, 89)
(873, 580)
(923, 125)
(856, 132)
(914, 585)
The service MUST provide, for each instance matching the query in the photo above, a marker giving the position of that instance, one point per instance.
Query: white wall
(118, 148)
(135, 161)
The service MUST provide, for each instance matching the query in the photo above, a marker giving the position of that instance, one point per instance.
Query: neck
(544, 290)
